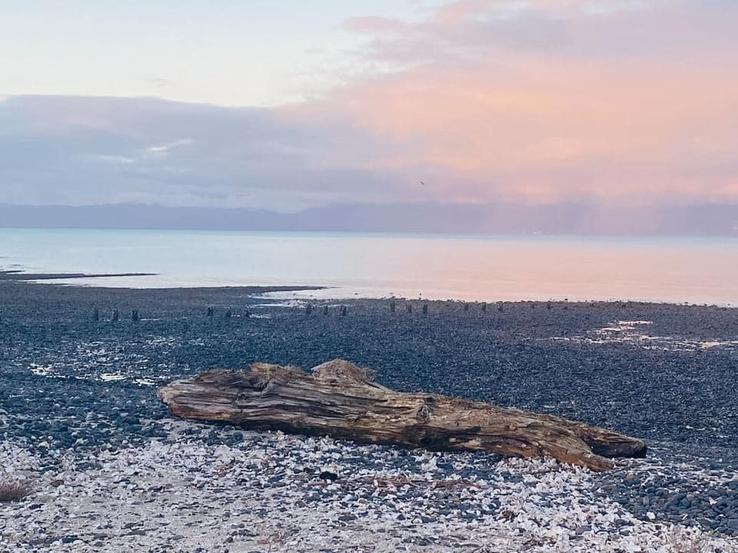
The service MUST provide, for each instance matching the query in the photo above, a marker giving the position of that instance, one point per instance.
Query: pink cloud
(631, 105)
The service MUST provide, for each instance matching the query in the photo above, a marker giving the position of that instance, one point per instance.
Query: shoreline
(19, 276)
(74, 388)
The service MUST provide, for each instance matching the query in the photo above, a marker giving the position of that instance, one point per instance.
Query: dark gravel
(669, 390)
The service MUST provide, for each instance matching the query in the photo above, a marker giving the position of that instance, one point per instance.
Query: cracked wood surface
(342, 400)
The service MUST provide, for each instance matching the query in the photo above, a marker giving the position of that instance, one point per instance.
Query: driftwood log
(342, 400)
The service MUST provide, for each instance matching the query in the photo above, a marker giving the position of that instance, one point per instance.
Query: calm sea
(695, 270)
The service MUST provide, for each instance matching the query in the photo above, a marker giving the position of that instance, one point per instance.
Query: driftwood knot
(423, 413)
(343, 371)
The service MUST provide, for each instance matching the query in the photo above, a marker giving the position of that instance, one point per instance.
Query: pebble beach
(110, 470)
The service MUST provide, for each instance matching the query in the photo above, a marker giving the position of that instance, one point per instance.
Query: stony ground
(79, 417)
(271, 492)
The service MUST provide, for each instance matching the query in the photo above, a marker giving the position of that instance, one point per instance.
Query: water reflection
(438, 267)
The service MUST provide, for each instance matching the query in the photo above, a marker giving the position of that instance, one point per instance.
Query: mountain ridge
(503, 218)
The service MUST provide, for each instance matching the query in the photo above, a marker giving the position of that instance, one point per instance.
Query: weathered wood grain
(342, 400)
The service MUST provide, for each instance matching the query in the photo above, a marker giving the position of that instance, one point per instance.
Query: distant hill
(700, 220)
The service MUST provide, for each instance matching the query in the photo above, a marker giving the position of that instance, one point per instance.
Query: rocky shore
(226, 490)
(79, 418)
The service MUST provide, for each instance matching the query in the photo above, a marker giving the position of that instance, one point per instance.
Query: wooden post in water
(344, 310)
(134, 315)
(116, 315)
(409, 307)
(484, 307)
(308, 309)
(95, 314)
(211, 311)
(466, 307)
(392, 306)
(325, 310)
(425, 309)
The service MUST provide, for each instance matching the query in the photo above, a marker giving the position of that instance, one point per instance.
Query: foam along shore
(282, 493)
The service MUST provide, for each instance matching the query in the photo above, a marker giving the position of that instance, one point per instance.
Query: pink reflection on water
(482, 268)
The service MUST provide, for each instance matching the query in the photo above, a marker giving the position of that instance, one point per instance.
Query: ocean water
(488, 268)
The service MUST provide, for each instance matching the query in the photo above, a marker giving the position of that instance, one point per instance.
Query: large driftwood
(342, 400)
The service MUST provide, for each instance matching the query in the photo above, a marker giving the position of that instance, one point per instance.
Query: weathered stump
(341, 399)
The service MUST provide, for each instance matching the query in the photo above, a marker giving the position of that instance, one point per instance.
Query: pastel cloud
(550, 100)
(463, 10)
(486, 101)
(81, 150)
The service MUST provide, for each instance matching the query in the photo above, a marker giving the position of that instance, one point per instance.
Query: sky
(292, 105)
